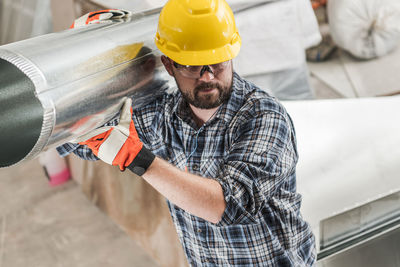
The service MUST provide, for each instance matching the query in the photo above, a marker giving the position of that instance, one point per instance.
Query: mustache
(205, 86)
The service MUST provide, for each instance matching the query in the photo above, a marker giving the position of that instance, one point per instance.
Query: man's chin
(207, 101)
(206, 104)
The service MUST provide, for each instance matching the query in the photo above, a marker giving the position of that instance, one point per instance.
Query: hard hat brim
(205, 57)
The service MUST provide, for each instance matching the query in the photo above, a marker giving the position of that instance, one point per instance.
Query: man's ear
(167, 64)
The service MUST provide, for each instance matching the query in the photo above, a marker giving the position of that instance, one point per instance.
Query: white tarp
(365, 28)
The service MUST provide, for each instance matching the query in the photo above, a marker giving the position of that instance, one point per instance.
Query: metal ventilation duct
(58, 86)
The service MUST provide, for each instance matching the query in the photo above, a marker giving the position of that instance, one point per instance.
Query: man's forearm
(199, 196)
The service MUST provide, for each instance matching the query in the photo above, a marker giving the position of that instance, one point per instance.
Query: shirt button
(195, 167)
(198, 230)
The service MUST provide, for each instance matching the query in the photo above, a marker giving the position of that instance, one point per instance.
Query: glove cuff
(142, 161)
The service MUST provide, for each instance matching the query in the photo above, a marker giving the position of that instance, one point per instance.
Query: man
(219, 149)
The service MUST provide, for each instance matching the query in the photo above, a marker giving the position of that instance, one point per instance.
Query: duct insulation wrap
(56, 87)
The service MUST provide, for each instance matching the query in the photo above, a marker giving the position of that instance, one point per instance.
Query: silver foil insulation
(56, 87)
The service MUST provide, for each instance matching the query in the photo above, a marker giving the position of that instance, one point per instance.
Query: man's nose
(206, 75)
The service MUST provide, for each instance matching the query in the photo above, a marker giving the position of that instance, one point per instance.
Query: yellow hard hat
(197, 32)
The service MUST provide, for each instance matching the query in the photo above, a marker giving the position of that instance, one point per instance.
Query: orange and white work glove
(119, 145)
(101, 16)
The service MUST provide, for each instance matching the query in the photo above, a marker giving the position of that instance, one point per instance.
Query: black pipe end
(21, 114)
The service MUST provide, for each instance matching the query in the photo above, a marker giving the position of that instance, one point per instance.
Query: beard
(199, 97)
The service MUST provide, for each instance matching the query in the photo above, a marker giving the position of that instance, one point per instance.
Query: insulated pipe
(59, 86)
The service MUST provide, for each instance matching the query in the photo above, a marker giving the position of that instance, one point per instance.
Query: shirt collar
(228, 110)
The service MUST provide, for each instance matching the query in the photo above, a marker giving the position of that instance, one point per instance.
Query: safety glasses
(190, 71)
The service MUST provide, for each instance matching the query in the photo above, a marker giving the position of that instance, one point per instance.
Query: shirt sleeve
(261, 158)
(82, 151)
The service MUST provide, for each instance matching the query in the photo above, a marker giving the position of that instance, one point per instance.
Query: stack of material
(348, 160)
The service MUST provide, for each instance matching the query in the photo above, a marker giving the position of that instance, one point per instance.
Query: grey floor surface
(57, 226)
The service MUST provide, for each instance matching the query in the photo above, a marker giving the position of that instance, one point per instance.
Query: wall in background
(22, 19)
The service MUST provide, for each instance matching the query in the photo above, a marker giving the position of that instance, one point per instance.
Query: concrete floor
(57, 226)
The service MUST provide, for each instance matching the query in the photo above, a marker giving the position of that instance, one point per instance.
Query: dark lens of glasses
(191, 71)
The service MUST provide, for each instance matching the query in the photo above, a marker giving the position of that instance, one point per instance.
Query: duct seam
(26, 67)
(35, 75)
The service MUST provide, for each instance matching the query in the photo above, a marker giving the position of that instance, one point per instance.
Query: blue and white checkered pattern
(249, 147)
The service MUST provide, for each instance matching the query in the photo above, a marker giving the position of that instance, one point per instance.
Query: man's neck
(201, 116)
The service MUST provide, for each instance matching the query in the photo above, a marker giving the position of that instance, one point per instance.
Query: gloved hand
(101, 16)
(119, 145)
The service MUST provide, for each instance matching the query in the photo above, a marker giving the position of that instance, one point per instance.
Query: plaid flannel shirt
(249, 147)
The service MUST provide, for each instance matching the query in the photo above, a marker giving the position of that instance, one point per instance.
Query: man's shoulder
(257, 100)
(260, 112)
